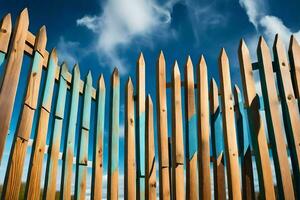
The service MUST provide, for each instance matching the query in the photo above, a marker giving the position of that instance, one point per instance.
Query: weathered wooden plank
(256, 125)
(275, 127)
(290, 112)
(191, 133)
(150, 152)
(140, 72)
(52, 162)
(98, 143)
(37, 157)
(294, 52)
(244, 146)
(113, 156)
(177, 137)
(82, 153)
(130, 163)
(231, 150)
(217, 142)
(5, 33)
(203, 132)
(162, 121)
(11, 77)
(18, 152)
(70, 140)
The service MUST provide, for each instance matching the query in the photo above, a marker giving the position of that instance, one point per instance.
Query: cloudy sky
(100, 35)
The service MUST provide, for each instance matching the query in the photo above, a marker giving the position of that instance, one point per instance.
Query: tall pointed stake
(113, 158)
(129, 159)
(203, 132)
(12, 74)
(162, 121)
(150, 152)
(177, 137)
(231, 150)
(275, 127)
(257, 129)
(98, 142)
(294, 52)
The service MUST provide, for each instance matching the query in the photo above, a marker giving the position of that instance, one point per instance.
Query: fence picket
(256, 125)
(191, 133)
(112, 188)
(67, 169)
(162, 121)
(130, 161)
(5, 34)
(275, 128)
(98, 143)
(52, 162)
(150, 152)
(294, 52)
(82, 153)
(177, 137)
(141, 126)
(233, 175)
(18, 153)
(11, 76)
(217, 142)
(290, 113)
(203, 131)
(244, 146)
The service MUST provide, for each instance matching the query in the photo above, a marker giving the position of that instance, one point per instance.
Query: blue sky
(102, 34)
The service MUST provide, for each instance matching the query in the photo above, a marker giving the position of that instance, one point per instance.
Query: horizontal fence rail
(221, 142)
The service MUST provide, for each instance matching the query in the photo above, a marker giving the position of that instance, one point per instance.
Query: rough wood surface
(177, 137)
(52, 162)
(203, 132)
(12, 74)
(67, 170)
(275, 127)
(98, 142)
(217, 142)
(294, 52)
(231, 150)
(113, 159)
(130, 161)
(191, 134)
(5, 32)
(150, 152)
(163, 151)
(258, 135)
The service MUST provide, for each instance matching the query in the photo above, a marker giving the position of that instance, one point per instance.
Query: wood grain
(177, 137)
(162, 121)
(5, 33)
(150, 152)
(130, 161)
(256, 125)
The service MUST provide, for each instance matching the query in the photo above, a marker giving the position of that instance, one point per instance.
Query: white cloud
(267, 24)
(121, 22)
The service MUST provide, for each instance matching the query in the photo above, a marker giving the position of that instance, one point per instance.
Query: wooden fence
(246, 133)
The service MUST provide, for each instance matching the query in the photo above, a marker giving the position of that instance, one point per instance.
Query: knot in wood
(3, 30)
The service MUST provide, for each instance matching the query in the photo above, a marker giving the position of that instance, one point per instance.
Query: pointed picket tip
(141, 60)
(213, 83)
(53, 55)
(149, 101)
(115, 76)
(76, 69)
(189, 63)
(176, 70)
(161, 59)
(293, 43)
(262, 44)
(115, 72)
(41, 40)
(223, 59)
(6, 24)
(101, 82)
(89, 78)
(129, 83)
(236, 89)
(202, 63)
(64, 70)
(278, 43)
(243, 48)
(23, 18)
(24, 13)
